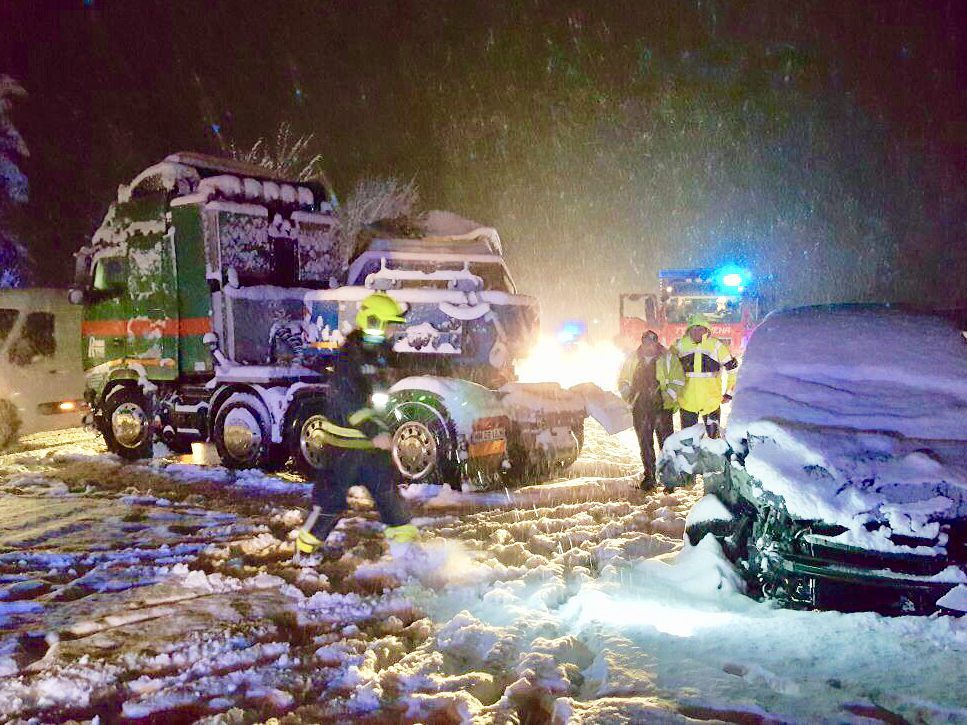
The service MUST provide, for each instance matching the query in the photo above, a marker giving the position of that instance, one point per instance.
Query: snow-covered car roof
(856, 414)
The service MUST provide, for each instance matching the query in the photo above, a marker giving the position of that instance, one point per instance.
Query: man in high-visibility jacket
(705, 360)
(651, 380)
(357, 437)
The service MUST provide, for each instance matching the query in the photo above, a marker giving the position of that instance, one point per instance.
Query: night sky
(821, 143)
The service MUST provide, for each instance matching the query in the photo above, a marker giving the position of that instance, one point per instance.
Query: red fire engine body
(724, 296)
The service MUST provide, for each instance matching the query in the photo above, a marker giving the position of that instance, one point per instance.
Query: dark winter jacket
(357, 366)
(644, 382)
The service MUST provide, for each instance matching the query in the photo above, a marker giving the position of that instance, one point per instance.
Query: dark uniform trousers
(651, 420)
(347, 467)
(712, 421)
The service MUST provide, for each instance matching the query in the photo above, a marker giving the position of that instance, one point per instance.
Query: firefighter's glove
(726, 398)
(401, 534)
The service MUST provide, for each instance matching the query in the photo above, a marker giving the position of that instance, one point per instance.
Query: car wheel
(9, 423)
(126, 423)
(242, 433)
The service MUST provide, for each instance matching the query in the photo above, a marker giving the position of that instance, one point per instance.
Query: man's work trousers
(712, 421)
(651, 421)
(347, 467)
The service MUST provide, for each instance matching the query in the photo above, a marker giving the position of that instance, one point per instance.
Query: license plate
(490, 434)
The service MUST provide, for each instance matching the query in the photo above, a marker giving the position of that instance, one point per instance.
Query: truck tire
(424, 446)
(126, 423)
(242, 434)
(307, 450)
(9, 423)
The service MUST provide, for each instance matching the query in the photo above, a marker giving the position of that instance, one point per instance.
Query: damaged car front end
(841, 482)
(801, 563)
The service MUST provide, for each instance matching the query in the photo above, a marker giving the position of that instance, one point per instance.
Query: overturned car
(842, 479)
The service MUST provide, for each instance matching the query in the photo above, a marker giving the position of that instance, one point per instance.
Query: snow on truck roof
(191, 167)
(444, 232)
(851, 411)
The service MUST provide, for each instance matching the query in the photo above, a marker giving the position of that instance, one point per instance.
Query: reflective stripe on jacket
(668, 371)
(671, 379)
(705, 364)
(343, 437)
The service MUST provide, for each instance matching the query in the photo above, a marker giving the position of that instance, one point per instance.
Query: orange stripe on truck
(184, 327)
(194, 326)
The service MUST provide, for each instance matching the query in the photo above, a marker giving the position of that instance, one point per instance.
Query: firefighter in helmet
(357, 436)
(706, 360)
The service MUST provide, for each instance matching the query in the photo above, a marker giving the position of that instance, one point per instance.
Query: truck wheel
(9, 423)
(423, 445)
(309, 450)
(126, 423)
(242, 433)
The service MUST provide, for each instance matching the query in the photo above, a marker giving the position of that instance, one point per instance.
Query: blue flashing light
(570, 332)
(732, 278)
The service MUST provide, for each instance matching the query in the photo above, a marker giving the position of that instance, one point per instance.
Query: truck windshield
(717, 309)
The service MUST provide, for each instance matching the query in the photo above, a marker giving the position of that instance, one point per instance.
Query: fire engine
(726, 296)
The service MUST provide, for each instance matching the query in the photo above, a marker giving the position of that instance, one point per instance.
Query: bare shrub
(287, 155)
(388, 203)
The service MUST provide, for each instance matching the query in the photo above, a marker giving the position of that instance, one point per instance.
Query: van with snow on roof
(842, 479)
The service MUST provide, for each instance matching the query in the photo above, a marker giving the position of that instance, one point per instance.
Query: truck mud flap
(608, 409)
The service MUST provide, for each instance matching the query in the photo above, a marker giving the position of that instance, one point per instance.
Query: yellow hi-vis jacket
(668, 371)
(705, 364)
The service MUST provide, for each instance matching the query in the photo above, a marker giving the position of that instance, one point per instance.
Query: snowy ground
(165, 591)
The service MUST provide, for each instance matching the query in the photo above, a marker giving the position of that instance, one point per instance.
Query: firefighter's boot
(305, 545)
(405, 534)
(306, 542)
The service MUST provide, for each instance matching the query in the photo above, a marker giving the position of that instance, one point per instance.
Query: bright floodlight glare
(733, 279)
(379, 400)
(571, 363)
(665, 617)
(66, 406)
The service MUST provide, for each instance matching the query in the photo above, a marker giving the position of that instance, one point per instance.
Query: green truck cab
(164, 284)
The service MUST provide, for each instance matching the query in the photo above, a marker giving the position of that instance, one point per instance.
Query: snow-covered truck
(214, 292)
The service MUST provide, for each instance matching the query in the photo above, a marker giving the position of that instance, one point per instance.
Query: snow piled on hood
(856, 414)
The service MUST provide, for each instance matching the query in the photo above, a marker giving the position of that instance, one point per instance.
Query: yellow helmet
(376, 312)
(699, 320)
